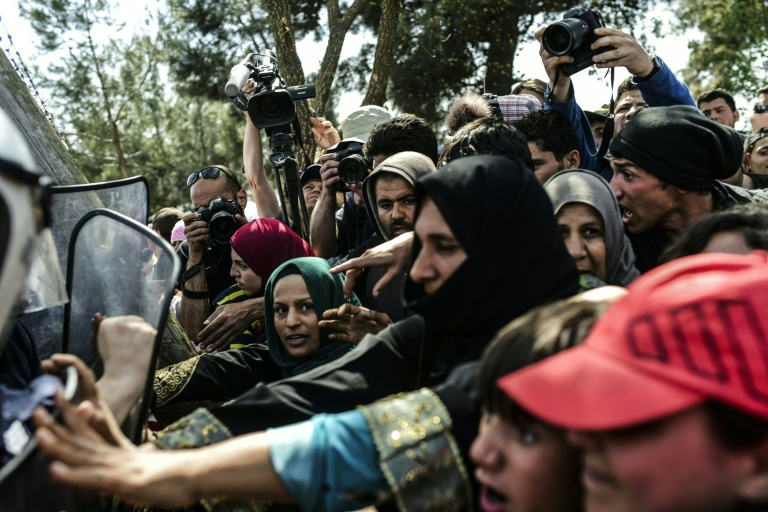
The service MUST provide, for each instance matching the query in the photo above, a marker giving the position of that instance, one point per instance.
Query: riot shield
(68, 205)
(117, 266)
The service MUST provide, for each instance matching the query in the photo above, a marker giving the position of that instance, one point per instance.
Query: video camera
(353, 166)
(220, 216)
(272, 109)
(273, 105)
(573, 36)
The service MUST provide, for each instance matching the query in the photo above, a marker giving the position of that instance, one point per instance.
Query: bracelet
(190, 294)
(191, 271)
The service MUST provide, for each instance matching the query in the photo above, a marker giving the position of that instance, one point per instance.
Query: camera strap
(608, 128)
(299, 139)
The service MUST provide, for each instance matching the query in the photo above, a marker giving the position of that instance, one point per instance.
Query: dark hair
(733, 428)
(626, 85)
(402, 133)
(714, 94)
(533, 84)
(466, 109)
(750, 220)
(487, 136)
(538, 334)
(550, 130)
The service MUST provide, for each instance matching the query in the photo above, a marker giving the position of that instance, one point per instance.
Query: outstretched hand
(83, 458)
(227, 323)
(392, 255)
(351, 323)
(93, 409)
(325, 134)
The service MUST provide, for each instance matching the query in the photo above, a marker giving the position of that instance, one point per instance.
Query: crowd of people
(511, 318)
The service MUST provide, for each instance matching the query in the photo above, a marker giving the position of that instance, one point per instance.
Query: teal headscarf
(327, 292)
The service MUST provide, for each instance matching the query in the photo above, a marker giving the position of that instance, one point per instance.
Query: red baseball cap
(693, 330)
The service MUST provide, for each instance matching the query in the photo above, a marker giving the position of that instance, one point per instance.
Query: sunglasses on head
(209, 173)
(759, 109)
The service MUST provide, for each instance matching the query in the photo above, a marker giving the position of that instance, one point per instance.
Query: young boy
(668, 395)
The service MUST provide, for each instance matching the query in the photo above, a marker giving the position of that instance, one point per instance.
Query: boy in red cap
(668, 396)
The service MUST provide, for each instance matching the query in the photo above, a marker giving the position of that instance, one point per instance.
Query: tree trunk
(385, 53)
(501, 53)
(291, 69)
(338, 27)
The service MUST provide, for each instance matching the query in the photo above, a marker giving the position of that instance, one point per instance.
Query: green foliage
(731, 55)
(447, 48)
(119, 89)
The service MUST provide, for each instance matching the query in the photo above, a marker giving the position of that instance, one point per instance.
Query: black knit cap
(680, 146)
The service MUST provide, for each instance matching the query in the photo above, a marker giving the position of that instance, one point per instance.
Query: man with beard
(390, 201)
(665, 166)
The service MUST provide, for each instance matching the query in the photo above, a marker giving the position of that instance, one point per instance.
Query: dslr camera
(353, 166)
(272, 106)
(573, 36)
(220, 216)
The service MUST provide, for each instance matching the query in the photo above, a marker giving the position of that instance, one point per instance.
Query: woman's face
(525, 468)
(441, 254)
(583, 232)
(296, 321)
(245, 277)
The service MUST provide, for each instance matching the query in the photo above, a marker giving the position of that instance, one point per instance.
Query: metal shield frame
(167, 287)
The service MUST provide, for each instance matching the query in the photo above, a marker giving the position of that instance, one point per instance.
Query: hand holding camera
(214, 224)
(622, 50)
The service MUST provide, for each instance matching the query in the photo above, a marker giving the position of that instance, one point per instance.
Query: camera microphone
(237, 78)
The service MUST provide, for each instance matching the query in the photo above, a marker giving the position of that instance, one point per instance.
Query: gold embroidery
(201, 428)
(171, 380)
(418, 454)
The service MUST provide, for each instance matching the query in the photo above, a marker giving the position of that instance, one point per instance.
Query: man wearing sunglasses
(759, 117)
(756, 153)
(205, 264)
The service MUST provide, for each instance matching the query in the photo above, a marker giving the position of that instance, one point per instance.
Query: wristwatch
(656, 67)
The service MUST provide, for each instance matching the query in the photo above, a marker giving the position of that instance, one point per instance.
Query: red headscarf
(265, 244)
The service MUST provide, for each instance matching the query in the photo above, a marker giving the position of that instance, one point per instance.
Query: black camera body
(220, 216)
(573, 36)
(272, 106)
(275, 107)
(353, 166)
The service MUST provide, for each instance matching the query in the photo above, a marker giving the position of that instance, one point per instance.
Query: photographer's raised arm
(195, 302)
(253, 164)
(322, 226)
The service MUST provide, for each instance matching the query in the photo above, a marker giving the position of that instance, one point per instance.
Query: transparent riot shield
(69, 204)
(117, 266)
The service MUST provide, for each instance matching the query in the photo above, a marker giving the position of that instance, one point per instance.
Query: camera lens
(562, 37)
(271, 106)
(222, 226)
(352, 169)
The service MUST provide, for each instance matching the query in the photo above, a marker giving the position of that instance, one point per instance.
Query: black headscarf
(516, 261)
(503, 219)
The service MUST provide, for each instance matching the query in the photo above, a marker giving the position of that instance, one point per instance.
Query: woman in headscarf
(297, 294)
(590, 220)
(258, 248)
(487, 250)
(336, 462)
(501, 219)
